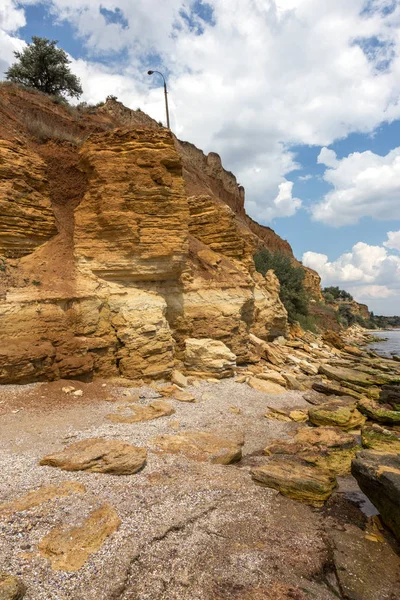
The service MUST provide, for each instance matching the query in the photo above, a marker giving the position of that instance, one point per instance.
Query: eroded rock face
(99, 456)
(378, 475)
(376, 437)
(69, 548)
(26, 217)
(136, 189)
(201, 446)
(207, 357)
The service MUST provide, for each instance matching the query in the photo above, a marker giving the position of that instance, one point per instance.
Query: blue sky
(301, 98)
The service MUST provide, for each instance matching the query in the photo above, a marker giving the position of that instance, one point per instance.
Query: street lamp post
(165, 94)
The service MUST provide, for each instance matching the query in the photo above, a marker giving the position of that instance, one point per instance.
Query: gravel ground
(190, 531)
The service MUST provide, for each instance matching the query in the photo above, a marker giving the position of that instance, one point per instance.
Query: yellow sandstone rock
(41, 495)
(154, 410)
(201, 446)
(69, 548)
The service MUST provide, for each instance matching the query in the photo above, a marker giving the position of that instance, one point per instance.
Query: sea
(390, 345)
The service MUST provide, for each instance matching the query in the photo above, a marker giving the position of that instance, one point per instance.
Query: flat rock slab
(155, 410)
(366, 570)
(354, 376)
(329, 437)
(201, 446)
(383, 413)
(267, 387)
(378, 476)
(330, 388)
(69, 548)
(376, 437)
(296, 479)
(41, 495)
(11, 587)
(97, 455)
(336, 413)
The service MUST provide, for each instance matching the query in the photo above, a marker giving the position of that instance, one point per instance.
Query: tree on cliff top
(44, 67)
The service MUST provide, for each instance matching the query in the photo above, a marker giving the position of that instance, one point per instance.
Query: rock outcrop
(152, 247)
(378, 475)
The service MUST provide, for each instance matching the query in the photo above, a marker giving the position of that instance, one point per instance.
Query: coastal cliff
(118, 243)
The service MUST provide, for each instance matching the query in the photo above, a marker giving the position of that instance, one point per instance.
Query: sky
(301, 99)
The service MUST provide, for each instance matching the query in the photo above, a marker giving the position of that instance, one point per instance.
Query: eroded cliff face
(122, 249)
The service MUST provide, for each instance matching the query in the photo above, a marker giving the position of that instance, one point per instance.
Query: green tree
(43, 66)
(291, 278)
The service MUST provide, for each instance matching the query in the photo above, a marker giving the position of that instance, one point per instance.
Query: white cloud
(327, 157)
(263, 76)
(367, 272)
(393, 241)
(364, 185)
(305, 177)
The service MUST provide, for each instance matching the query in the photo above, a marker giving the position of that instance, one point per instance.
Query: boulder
(390, 394)
(328, 448)
(375, 437)
(333, 339)
(69, 548)
(383, 413)
(267, 387)
(97, 455)
(205, 357)
(155, 410)
(353, 350)
(337, 413)
(378, 476)
(11, 587)
(296, 479)
(201, 446)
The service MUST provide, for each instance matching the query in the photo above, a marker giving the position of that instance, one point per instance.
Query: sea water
(390, 345)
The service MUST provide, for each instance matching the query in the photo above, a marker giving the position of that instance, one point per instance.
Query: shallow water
(390, 346)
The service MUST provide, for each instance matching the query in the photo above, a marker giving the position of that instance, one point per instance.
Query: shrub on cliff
(291, 278)
(44, 67)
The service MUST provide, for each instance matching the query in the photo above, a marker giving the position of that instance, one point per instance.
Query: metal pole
(165, 94)
(166, 103)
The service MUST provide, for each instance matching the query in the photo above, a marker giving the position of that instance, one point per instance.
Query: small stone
(68, 389)
(300, 416)
(78, 393)
(235, 410)
(179, 379)
(241, 379)
(182, 396)
(11, 587)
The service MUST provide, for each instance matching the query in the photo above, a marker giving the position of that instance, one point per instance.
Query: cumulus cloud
(393, 241)
(367, 271)
(238, 83)
(364, 185)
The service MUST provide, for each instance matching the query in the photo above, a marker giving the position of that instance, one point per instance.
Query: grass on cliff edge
(292, 293)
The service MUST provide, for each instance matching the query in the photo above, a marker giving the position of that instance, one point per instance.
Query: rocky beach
(238, 487)
(167, 430)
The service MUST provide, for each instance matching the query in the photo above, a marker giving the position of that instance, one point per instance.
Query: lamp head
(150, 72)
